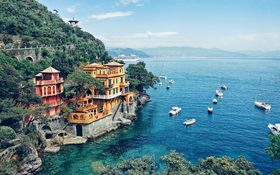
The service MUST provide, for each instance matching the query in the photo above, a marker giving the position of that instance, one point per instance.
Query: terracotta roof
(114, 64)
(50, 70)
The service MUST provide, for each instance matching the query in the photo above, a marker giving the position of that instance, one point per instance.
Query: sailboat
(260, 103)
(161, 76)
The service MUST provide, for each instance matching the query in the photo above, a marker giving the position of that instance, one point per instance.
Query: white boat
(163, 77)
(219, 93)
(210, 109)
(262, 105)
(160, 83)
(189, 121)
(129, 58)
(215, 101)
(167, 87)
(224, 87)
(275, 129)
(174, 111)
(171, 81)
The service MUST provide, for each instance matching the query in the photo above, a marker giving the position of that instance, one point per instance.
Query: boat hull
(262, 105)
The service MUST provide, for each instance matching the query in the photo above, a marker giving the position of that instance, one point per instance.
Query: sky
(236, 25)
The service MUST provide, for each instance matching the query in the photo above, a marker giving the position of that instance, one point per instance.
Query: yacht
(160, 83)
(215, 101)
(174, 111)
(262, 105)
(219, 93)
(171, 81)
(275, 129)
(210, 109)
(167, 87)
(189, 121)
(130, 58)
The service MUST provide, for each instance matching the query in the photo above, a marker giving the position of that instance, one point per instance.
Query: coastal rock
(31, 163)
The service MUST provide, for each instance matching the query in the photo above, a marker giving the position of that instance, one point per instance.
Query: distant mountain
(190, 52)
(264, 54)
(114, 52)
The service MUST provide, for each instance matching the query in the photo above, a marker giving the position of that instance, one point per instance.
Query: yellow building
(95, 105)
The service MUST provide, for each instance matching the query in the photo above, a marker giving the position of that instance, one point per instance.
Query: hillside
(114, 52)
(34, 25)
(190, 52)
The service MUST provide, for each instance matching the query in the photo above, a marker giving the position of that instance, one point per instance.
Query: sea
(236, 127)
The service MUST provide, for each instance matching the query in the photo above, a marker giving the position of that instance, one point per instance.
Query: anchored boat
(215, 101)
(174, 111)
(219, 93)
(188, 122)
(275, 129)
(262, 105)
(210, 109)
(171, 81)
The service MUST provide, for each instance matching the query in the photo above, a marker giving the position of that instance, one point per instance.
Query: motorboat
(219, 93)
(262, 105)
(167, 87)
(275, 129)
(188, 122)
(174, 111)
(171, 81)
(215, 101)
(160, 83)
(224, 87)
(210, 109)
(163, 77)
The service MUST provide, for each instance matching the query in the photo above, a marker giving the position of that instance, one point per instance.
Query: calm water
(236, 128)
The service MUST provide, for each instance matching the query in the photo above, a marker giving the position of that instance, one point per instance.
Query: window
(121, 79)
(110, 82)
(109, 92)
(116, 80)
(117, 90)
(114, 91)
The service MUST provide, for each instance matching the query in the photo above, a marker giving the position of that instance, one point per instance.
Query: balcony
(49, 82)
(105, 97)
(109, 74)
(52, 94)
(86, 108)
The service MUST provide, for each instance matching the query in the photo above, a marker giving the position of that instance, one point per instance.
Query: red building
(49, 86)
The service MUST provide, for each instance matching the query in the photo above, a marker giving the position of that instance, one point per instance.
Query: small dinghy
(215, 101)
(188, 122)
(210, 109)
(275, 129)
(162, 77)
(171, 81)
(224, 87)
(219, 93)
(174, 111)
(262, 105)
(160, 83)
(168, 87)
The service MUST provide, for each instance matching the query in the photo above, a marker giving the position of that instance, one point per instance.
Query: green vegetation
(79, 83)
(176, 164)
(139, 77)
(274, 150)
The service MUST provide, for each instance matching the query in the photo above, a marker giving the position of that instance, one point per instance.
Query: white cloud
(71, 9)
(111, 15)
(153, 34)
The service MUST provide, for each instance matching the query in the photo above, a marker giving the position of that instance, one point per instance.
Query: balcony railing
(124, 84)
(86, 108)
(107, 96)
(56, 104)
(49, 82)
(52, 94)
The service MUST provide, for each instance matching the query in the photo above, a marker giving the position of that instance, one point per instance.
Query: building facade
(49, 86)
(96, 104)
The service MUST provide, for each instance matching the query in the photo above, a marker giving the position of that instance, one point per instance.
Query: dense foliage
(274, 150)
(176, 164)
(139, 77)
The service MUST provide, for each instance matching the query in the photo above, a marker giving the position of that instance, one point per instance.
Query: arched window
(49, 90)
(76, 117)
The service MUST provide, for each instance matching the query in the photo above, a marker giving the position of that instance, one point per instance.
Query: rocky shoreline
(32, 163)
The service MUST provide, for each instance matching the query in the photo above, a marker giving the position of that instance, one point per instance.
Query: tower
(49, 87)
(73, 22)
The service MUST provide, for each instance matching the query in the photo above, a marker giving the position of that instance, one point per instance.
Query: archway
(79, 130)
(48, 131)
(29, 58)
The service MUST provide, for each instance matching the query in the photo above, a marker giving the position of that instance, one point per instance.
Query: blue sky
(227, 24)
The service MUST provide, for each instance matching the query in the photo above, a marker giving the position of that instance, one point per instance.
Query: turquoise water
(236, 128)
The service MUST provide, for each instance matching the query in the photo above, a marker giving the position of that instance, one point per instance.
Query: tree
(79, 83)
(6, 134)
(274, 149)
(139, 77)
